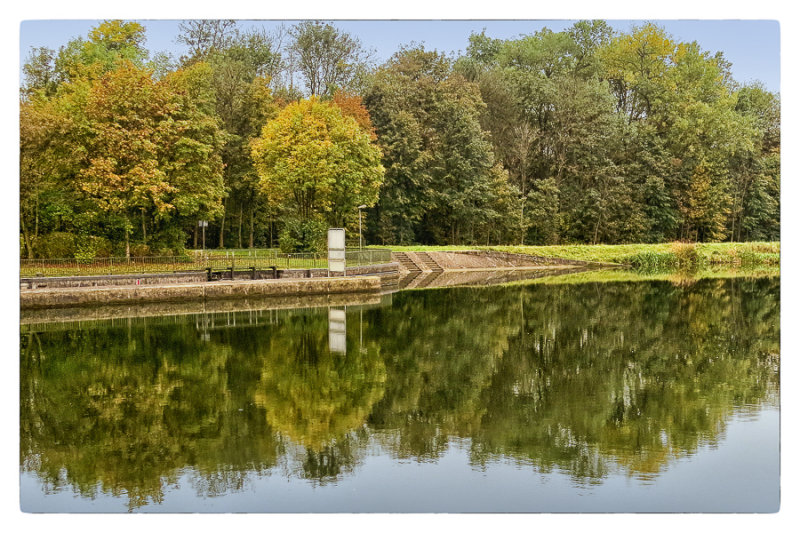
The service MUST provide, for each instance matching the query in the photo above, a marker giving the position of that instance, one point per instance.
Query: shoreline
(195, 292)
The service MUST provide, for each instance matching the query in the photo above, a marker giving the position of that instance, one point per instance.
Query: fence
(216, 260)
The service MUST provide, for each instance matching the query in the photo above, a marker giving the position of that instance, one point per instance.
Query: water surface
(651, 395)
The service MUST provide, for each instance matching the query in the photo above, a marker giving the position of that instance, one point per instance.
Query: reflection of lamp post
(359, 225)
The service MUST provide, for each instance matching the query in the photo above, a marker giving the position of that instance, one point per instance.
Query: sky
(752, 46)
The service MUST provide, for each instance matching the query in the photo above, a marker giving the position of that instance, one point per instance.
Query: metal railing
(216, 260)
(374, 256)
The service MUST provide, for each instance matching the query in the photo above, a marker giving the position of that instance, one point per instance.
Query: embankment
(198, 292)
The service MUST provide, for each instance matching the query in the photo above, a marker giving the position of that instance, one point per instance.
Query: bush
(652, 260)
(140, 250)
(303, 236)
(56, 245)
(91, 247)
(686, 254)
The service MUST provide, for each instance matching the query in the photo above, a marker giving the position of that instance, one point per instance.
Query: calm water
(617, 396)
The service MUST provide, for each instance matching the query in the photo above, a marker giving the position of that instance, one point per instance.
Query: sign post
(336, 251)
(203, 224)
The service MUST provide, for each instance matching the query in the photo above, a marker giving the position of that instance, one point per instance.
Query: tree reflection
(587, 379)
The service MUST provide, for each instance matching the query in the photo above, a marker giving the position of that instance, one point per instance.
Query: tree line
(581, 136)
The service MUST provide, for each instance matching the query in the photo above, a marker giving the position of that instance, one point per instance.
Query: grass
(217, 260)
(664, 255)
(676, 277)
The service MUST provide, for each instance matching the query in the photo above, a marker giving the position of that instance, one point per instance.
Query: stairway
(428, 262)
(405, 261)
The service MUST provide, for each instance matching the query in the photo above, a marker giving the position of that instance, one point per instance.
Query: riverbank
(197, 292)
(639, 255)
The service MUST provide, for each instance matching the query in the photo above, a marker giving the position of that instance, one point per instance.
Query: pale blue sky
(753, 46)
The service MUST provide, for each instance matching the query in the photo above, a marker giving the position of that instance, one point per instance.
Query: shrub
(56, 245)
(91, 246)
(652, 260)
(303, 236)
(687, 254)
(140, 250)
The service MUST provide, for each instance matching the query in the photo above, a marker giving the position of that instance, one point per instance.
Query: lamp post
(359, 225)
(203, 224)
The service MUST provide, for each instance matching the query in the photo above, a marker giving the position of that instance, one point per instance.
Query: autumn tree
(317, 162)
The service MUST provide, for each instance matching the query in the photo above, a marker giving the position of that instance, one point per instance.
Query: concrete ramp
(445, 261)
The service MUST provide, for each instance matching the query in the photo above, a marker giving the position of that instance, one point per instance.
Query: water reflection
(586, 379)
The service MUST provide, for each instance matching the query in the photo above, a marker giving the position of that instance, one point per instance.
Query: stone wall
(486, 259)
(387, 269)
(53, 317)
(83, 296)
(165, 278)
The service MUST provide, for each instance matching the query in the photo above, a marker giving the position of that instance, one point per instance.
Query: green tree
(437, 156)
(328, 58)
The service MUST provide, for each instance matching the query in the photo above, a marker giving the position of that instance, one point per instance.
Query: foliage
(328, 58)
(317, 162)
(439, 180)
(303, 236)
(58, 244)
(585, 135)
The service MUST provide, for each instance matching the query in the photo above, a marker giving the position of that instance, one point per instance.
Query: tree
(242, 65)
(204, 36)
(437, 156)
(317, 162)
(149, 149)
(328, 58)
(39, 72)
(110, 43)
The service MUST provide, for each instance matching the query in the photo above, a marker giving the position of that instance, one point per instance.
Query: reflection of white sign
(337, 330)
(336, 250)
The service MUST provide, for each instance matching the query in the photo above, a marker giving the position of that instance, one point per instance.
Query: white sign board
(336, 250)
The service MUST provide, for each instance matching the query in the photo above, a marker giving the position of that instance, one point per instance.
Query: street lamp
(359, 225)
(203, 224)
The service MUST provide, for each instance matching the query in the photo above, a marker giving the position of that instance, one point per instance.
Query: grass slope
(643, 255)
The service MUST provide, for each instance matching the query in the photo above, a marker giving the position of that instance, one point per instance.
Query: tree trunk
(222, 226)
(144, 229)
(127, 242)
(252, 229)
(241, 209)
(195, 237)
(36, 220)
(26, 238)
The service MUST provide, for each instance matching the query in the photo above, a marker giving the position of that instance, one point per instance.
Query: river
(561, 394)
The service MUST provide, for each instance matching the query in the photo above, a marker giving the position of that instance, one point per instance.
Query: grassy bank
(677, 277)
(641, 255)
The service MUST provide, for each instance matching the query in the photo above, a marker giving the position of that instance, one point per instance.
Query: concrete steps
(406, 262)
(429, 262)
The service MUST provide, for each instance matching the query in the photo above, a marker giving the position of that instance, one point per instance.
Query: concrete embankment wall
(477, 260)
(54, 318)
(489, 259)
(74, 297)
(388, 271)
